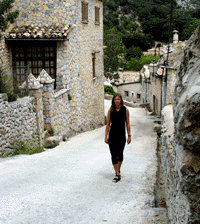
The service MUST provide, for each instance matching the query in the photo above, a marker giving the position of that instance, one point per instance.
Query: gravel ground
(72, 183)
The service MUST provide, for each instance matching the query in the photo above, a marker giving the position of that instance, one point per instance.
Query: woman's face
(117, 101)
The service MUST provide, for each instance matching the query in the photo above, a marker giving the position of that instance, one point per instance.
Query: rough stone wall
(187, 101)
(17, 122)
(62, 114)
(77, 71)
(5, 62)
(179, 142)
(45, 12)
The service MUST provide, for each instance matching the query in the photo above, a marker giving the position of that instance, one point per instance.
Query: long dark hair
(113, 107)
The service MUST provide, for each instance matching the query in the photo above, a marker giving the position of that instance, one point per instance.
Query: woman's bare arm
(128, 126)
(107, 126)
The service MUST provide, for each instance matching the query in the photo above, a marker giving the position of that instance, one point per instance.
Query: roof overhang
(39, 33)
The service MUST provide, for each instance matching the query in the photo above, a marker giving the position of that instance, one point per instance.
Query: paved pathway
(72, 183)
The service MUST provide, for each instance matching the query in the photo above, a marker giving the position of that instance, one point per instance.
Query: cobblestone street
(72, 183)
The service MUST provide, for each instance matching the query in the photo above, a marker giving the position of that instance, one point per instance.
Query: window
(38, 56)
(84, 12)
(93, 63)
(97, 15)
(138, 96)
(126, 93)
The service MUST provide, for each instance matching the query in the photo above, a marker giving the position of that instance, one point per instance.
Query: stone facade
(178, 176)
(18, 122)
(130, 91)
(79, 63)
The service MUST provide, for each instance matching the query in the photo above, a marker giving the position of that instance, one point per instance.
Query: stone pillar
(175, 37)
(47, 98)
(35, 90)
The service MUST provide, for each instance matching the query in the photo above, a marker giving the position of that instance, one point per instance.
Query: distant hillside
(154, 17)
(133, 26)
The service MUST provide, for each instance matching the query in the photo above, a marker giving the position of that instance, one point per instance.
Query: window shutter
(84, 11)
(97, 19)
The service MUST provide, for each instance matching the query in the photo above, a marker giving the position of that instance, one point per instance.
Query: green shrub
(135, 64)
(26, 147)
(6, 87)
(109, 90)
(51, 132)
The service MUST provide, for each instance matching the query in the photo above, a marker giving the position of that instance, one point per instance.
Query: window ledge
(85, 22)
(97, 23)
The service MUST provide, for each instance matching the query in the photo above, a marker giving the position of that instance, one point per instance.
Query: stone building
(65, 38)
(130, 91)
(152, 90)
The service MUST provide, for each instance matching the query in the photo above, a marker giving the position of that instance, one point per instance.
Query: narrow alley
(72, 183)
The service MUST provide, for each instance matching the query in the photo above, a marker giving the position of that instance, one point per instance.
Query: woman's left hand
(129, 140)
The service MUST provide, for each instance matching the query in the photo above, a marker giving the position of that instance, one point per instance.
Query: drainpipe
(165, 87)
(161, 96)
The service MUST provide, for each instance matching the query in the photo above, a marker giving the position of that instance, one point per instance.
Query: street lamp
(153, 67)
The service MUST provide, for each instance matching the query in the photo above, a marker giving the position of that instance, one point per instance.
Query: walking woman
(115, 133)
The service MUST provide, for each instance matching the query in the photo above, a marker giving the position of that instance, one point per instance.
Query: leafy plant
(26, 147)
(109, 90)
(6, 87)
(51, 132)
(135, 64)
(69, 97)
(5, 15)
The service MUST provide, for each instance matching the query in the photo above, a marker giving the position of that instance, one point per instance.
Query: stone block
(52, 141)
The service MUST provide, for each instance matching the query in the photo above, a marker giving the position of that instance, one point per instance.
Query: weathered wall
(179, 175)
(187, 102)
(17, 123)
(132, 88)
(5, 63)
(180, 142)
(87, 93)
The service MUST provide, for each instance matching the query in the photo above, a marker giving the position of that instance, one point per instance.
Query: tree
(114, 52)
(133, 52)
(5, 16)
(190, 27)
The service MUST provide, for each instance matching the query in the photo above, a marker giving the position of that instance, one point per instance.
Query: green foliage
(154, 16)
(133, 52)
(64, 138)
(136, 64)
(109, 90)
(136, 40)
(51, 132)
(69, 97)
(26, 147)
(6, 87)
(189, 28)
(5, 16)
(114, 52)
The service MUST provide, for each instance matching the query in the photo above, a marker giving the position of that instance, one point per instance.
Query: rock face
(179, 144)
(187, 101)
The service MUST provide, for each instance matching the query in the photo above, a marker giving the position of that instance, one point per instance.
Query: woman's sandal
(117, 178)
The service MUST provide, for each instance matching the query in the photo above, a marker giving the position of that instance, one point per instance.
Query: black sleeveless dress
(117, 132)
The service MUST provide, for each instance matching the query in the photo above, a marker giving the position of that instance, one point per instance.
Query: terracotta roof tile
(39, 32)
